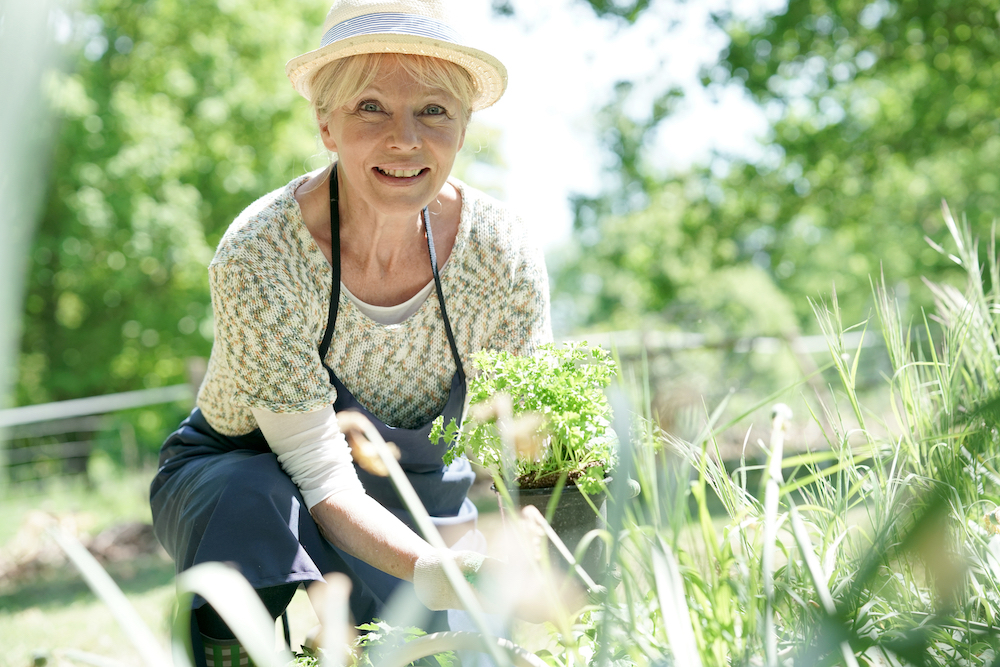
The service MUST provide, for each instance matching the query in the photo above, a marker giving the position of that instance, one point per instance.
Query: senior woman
(365, 286)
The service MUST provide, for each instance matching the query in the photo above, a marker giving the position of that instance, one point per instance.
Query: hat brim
(489, 73)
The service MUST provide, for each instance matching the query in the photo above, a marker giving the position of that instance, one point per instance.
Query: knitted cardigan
(270, 286)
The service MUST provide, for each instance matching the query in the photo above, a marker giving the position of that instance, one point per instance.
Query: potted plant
(541, 424)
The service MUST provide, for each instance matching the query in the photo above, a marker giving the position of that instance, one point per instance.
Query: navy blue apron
(225, 498)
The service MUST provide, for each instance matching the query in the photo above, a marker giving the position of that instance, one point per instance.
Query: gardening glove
(431, 583)
(502, 588)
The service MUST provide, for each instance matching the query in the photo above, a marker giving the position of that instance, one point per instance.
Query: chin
(403, 207)
(406, 200)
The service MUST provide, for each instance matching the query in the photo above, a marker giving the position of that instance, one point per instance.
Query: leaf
(673, 606)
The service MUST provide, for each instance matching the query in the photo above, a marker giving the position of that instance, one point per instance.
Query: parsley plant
(562, 388)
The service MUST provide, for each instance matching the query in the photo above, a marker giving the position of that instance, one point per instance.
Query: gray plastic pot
(572, 519)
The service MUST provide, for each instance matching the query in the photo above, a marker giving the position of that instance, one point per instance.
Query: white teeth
(401, 173)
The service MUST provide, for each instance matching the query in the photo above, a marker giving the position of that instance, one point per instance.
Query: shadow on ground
(60, 586)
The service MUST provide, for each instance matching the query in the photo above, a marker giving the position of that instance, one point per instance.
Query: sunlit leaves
(173, 116)
(878, 111)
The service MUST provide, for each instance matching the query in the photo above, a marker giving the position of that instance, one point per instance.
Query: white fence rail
(83, 415)
(631, 341)
(94, 405)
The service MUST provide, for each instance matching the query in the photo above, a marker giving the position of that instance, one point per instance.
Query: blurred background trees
(172, 120)
(878, 111)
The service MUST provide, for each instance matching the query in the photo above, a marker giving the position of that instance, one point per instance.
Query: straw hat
(415, 27)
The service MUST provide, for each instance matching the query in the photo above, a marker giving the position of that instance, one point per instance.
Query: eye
(370, 106)
(435, 110)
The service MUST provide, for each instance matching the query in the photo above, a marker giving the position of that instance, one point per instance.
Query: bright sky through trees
(563, 62)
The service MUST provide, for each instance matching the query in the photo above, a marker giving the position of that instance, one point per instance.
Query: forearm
(314, 453)
(359, 525)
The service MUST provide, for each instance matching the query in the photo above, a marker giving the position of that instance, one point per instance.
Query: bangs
(337, 83)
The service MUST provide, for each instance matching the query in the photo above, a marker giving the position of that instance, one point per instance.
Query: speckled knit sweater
(270, 287)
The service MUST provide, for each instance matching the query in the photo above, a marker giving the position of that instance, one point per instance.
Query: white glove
(431, 583)
(501, 588)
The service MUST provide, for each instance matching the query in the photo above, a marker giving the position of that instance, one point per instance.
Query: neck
(383, 258)
(375, 241)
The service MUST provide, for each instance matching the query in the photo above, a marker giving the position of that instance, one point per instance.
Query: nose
(404, 132)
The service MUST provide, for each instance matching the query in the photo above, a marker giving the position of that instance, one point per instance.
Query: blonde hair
(338, 82)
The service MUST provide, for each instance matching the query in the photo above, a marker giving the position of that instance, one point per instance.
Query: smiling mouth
(401, 173)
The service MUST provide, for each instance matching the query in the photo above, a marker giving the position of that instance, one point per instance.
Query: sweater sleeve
(261, 329)
(525, 321)
(312, 451)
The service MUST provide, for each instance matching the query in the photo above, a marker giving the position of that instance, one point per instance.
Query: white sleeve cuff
(312, 451)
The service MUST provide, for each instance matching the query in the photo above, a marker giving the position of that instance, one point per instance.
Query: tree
(175, 116)
(879, 111)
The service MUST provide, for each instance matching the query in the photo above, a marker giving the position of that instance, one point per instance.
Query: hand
(506, 588)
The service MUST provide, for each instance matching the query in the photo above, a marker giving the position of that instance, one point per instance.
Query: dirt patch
(32, 552)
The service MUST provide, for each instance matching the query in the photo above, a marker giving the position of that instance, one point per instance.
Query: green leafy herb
(562, 417)
(377, 635)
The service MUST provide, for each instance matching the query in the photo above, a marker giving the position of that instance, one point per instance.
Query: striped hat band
(422, 28)
(400, 24)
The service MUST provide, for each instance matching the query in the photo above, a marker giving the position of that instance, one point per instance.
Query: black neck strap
(331, 318)
(331, 321)
(440, 293)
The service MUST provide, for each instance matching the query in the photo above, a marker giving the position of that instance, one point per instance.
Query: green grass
(109, 497)
(57, 612)
(47, 616)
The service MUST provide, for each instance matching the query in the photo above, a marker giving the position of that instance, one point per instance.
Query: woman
(366, 286)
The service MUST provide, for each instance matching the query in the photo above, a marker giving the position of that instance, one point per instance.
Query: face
(395, 142)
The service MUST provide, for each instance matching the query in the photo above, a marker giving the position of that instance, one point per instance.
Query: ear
(325, 134)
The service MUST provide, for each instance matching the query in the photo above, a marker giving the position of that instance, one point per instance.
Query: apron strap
(331, 321)
(331, 318)
(440, 295)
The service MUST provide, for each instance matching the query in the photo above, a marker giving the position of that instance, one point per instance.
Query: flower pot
(572, 520)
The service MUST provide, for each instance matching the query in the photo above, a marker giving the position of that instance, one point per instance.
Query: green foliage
(174, 116)
(561, 385)
(882, 110)
(878, 111)
(882, 554)
(626, 9)
(380, 634)
(668, 264)
(375, 636)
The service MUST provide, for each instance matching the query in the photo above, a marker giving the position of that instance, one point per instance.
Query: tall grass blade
(430, 532)
(772, 491)
(335, 619)
(557, 490)
(771, 526)
(673, 606)
(819, 581)
(101, 583)
(829, 320)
